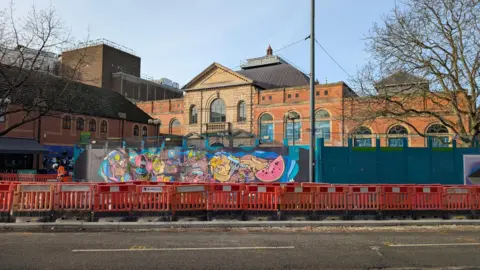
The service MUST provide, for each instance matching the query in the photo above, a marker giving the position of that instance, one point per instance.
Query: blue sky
(178, 39)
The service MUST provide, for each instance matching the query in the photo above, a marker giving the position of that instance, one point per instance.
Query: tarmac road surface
(241, 250)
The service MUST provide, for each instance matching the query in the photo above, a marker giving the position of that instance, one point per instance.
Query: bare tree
(33, 83)
(433, 46)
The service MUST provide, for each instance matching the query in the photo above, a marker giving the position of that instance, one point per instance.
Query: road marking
(180, 249)
(377, 249)
(434, 268)
(435, 245)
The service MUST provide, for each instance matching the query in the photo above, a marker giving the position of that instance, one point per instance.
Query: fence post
(377, 159)
(319, 160)
(430, 151)
(349, 165)
(454, 161)
(406, 153)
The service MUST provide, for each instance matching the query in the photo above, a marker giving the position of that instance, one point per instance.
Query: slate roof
(77, 98)
(276, 76)
(401, 77)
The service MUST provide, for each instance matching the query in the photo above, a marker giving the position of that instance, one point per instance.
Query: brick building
(97, 112)
(114, 67)
(269, 99)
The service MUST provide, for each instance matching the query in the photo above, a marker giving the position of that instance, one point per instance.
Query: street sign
(84, 137)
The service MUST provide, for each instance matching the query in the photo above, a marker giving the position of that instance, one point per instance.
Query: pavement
(437, 248)
(220, 224)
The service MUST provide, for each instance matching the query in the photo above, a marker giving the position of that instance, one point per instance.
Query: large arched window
(294, 126)
(266, 128)
(144, 131)
(396, 135)
(136, 131)
(193, 115)
(103, 126)
(439, 135)
(242, 112)
(174, 124)
(217, 111)
(362, 137)
(322, 125)
(92, 125)
(67, 122)
(80, 123)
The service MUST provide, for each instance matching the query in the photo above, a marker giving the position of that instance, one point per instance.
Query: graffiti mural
(196, 166)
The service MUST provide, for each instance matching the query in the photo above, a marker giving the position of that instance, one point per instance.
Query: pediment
(216, 75)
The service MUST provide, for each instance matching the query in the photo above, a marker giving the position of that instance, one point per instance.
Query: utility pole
(312, 95)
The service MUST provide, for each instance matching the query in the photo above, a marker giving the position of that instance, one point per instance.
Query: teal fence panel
(386, 165)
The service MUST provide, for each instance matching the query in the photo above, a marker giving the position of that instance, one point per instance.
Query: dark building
(114, 67)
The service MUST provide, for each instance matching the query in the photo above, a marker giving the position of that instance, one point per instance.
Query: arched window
(294, 126)
(242, 112)
(322, 125)
(80, 123)
(174, 124)
(362, 137)
(439, 135)
(266, 128)
(217, 111)
(396, 135)
(92, 125)
(67, 122)
(136, 131)
(144, 131)
(193, 115)
(103, 126)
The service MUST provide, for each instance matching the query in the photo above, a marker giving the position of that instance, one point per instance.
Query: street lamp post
(292, 116)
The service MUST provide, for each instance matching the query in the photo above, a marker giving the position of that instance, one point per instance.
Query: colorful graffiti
(162, 165)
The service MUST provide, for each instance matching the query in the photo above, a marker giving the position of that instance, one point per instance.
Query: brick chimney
(269, 50)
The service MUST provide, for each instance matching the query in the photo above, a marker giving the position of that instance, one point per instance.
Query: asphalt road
(240, 250)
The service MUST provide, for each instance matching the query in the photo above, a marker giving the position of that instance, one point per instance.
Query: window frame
(94, 129)
(67, 122)
(103, 126)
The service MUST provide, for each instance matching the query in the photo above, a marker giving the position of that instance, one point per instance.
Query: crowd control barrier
(30, 177)
(6, 197)
(48, 201)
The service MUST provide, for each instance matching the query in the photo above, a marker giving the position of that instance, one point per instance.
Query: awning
(20, 146)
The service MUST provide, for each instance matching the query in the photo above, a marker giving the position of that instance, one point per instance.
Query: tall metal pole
(312, 94)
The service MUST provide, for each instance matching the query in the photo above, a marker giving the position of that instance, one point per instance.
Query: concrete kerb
(118, 226)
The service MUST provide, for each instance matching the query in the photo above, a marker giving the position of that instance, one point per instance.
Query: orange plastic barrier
(8, 177)
(152, 198)
(427, 198)
(46, 178)
(261, 197)
(190, 198)
(331, 198)
(475, 199)
(6, 196)
(396, 197)
(225, 197)
(117, 197)
(74, 197)
(298, 198)
(364, 198)
(458, 198)
(33, 197)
